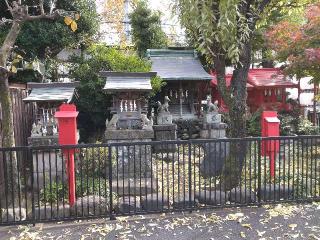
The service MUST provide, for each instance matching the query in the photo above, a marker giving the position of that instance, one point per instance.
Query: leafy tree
(146, 29)
(20, 14)
(36, 37)
(93, 101)
(298, 43)
(224, 32)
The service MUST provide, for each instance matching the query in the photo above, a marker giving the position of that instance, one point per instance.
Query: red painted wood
(67, 124)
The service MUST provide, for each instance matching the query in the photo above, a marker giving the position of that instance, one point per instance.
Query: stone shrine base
(164, 133)
(132, 160)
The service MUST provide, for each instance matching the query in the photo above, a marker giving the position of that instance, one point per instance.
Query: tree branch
(45, 16)
(41, 7)
(8, 6)
(4, 21)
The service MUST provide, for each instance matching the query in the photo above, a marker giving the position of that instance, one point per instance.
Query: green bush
(254, 124)
(85, 186)
(56, 191)
(94, 161)
(305, 127)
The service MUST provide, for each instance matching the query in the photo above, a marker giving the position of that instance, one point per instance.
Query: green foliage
(217, 23)
(93, 101)
(85, 186)
(56, 191)
(254, 124)
(305, 127)
(146, 29)
(36, 36)
(94, 161)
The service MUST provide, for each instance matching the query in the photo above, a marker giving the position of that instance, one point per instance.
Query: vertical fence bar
(259, 170)
(30, 159)
(110, 183)
(189, 175)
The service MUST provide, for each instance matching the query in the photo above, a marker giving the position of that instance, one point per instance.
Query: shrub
(305, 127)
(94, 161)
(254, 124)
(85, 186)
(56, 191)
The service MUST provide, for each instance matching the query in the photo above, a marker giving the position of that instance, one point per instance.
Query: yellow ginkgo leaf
(68, 20)
(74, 26)
(13, 69)
(16, 60)
(77, 16)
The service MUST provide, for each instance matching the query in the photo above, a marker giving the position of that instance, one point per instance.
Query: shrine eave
(59, 94)
(127, 82)
(177, 65)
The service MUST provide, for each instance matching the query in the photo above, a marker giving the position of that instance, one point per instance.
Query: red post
(67, 124)
(270, 126)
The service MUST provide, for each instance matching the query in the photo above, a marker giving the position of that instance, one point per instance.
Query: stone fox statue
(165, 106)
(212, 107)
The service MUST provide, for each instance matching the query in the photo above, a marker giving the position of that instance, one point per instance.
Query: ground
(282, 221)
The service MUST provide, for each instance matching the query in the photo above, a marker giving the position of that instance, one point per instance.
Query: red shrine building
(266, 89)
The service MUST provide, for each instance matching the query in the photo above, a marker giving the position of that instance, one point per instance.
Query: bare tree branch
(48, 16)
(41, 7)
(8, 5)
(4, 21)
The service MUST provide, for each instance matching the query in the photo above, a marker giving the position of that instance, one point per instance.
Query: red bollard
(270, 126)
(67, 125)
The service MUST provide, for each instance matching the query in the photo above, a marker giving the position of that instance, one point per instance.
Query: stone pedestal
(163, 133)
(46, 163)
(212, 118)
(164, 118)
(215, 153)
(132, 161)
(213, 130)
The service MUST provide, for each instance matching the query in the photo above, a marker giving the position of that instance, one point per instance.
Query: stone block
(132, 160)
(270, 192)
(91, 205)
(128, 134)
(213, 197)
(215, 154)
(154, 202)
(13, 214)
(242, 195)
(183, 201)
(128, 204)
(164, 118)
(212, 118)
(165, 133)
(126, 187)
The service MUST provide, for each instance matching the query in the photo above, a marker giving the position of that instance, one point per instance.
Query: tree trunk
(7, 134)
(236, 98)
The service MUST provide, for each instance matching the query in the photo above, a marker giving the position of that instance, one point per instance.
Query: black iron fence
(126, 178)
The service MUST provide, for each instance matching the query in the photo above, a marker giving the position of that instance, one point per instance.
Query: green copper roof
(173, 65)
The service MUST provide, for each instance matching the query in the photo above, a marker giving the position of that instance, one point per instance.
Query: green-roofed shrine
(186, 80)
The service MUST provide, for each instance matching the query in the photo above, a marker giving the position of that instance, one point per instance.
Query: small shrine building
(266, 89)
(187, 83)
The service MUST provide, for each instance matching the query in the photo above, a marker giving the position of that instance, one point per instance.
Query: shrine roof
(263, 78)
(51, 92)
(126, 81)
(228, 81)
(177, 65)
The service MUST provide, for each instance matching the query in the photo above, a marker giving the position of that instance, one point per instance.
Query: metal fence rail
(127, 178)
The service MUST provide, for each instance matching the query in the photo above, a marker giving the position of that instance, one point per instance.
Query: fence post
(259, 170)
(189, 174)
(30, 160)
(110, 183)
